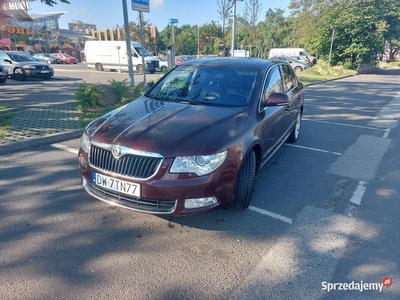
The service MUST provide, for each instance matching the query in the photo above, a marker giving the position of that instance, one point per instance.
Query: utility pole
(128, 43)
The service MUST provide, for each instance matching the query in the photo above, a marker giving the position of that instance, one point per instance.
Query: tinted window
(289, 78)
(273, 83)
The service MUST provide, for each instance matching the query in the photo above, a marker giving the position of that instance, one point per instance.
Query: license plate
(117, 185)
(44, 71)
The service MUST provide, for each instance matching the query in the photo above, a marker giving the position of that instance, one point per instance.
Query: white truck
(113, 55)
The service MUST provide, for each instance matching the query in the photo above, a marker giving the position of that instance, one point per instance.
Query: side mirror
(148, 85)
(276, 99)
(135, 55)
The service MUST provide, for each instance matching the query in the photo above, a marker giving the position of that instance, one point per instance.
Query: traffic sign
(141, 5)
(172, 21)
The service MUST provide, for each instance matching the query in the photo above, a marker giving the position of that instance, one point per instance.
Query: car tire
(294, 135)
(298, 69)
(245, 182)
(139, 69)
(163, 68)
(19, 74)
(3, 80)
(99, 67)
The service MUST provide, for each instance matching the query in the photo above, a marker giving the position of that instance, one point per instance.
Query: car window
(3, 56)
(273, 84)
(290, 79)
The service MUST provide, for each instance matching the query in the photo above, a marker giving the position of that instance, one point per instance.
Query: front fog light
(200, 202)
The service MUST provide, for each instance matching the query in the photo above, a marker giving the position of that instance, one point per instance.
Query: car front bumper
(165, 193)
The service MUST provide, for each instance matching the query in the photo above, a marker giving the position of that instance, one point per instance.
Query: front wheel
(245, 183)
(296, 129)
(3, 80)
(19, 74)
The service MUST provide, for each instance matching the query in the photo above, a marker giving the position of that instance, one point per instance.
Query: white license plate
(117, 185)
(44, 71)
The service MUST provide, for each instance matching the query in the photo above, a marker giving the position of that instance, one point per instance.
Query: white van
(289, 52)
(113, 55)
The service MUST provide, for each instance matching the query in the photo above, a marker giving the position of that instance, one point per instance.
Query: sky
(109, 14)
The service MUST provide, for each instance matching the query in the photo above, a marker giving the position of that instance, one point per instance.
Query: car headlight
(85, 142)
(31, 67)
(200, 165)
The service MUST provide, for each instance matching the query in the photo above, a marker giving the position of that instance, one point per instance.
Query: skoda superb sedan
(196, 139)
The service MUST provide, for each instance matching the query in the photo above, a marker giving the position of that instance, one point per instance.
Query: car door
(294, 92)
(270, 128)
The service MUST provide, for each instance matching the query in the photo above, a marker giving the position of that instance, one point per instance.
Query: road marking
(271, 214)
(314, 149)
(65, 148)
(386, 132)
(341, 124)
(359, 192)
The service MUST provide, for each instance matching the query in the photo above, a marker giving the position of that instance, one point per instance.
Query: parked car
(196, 139)
(3, 74)
(297, 66)
(163, 63)
(46, 57)
(21, 65)
(65, 58)
(180, 60)
(302, 59)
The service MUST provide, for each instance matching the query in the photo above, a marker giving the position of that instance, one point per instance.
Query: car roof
(233, 62)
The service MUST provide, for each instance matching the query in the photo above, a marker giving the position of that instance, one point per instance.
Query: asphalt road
(324, 211)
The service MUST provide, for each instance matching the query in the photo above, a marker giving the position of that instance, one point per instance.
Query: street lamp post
(233, 27)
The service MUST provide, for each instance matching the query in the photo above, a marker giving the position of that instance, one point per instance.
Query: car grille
(42, 67)
(129, 165)
(142, 204)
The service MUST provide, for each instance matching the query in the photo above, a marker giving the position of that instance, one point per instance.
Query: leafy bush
(89, 95)
(120, 89)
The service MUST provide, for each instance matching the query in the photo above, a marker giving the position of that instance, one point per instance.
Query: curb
(40, 141)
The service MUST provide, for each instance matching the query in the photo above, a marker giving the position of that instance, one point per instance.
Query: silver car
(296, 65)
(21, 65)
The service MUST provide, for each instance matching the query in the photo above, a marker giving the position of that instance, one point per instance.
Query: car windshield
(206, 85)
(21, 57)
(142, 52)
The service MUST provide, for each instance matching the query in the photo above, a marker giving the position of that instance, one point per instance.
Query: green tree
(53, 2)
(225, 13)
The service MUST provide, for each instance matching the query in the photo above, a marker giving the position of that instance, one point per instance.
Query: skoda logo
(116, 151)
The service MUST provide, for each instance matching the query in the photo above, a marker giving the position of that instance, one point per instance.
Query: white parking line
(359, 193)
(314, 149)
(65, 148)
(341, 124)
(386, 134)
(271, 214)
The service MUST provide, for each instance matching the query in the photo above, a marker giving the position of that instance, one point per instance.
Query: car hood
(167, 128)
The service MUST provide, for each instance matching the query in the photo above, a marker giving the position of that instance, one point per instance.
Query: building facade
(36, 33)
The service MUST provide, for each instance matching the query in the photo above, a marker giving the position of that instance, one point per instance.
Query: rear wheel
(139, 69)
(99, 67)
(19, 74)
(245, 183)
(296, 130)
(298, 69)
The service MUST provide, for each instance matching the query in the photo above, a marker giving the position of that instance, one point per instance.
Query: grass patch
(6, 123)
(319, 72)
(3, 107)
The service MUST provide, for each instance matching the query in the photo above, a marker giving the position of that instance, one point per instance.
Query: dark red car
(196, 139)
(65, 58)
